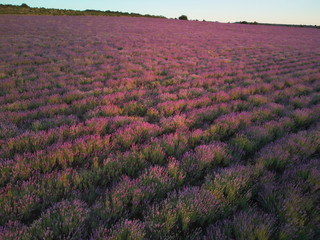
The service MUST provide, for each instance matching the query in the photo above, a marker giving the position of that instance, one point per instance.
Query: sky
(264, 11)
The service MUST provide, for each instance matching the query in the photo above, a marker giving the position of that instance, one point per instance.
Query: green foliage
(135, 109)
(67, 219)
(154, 154)
(152, 114)
(296, 213)
(233, 186)
(244, 143)
(125, 230)
(175, 145)
(182, 213)
(130, 195)
(253, 225)
(176, 171)
(132, 162)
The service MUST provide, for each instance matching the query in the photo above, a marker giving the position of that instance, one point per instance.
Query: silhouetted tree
(24, 5)
(183, 17)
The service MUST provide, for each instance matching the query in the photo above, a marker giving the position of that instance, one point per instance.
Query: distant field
(143, 128)
(26, 10)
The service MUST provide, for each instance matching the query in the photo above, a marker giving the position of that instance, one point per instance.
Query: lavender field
(140, 128)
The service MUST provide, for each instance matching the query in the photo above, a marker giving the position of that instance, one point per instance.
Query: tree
(24, 5)
(183, 17)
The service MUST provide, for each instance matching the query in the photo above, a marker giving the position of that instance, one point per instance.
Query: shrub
(304, 175)
(199, 116)
(134, 109)
(105, 111)
(303, 117)
(290, 150)
(251, 139)
(124, 230)
(81, 106)
(300, 89)
(274, 158)
(176, 171)
(174, 122)
(215, 152)
(262, 115)
(170, 108)
(222, 96)
(195, 138)
(221, 230)
(7, 130)
(300, 102)
(28, 142)
(268, 197)
(123, 197)
(227, 125)
(66, 219)
(158, 181)
(136, 132)
(232, 186)
(175, 144)
(167, 97)
(279, 128)
(295, 214)
(131, 195)
(244, 143)
(152, 114)
(132, 161)
(72, 96)
(204, 159)
(253, 225)
(182, 212)
(154, 153)
(18, 202)
(14, 231)
(49, 123)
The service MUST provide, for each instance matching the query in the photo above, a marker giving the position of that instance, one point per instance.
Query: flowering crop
(138, 128)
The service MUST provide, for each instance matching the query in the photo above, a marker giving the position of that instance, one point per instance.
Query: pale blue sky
(266, 11)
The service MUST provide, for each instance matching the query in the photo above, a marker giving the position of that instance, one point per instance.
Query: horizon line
(163, 16)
